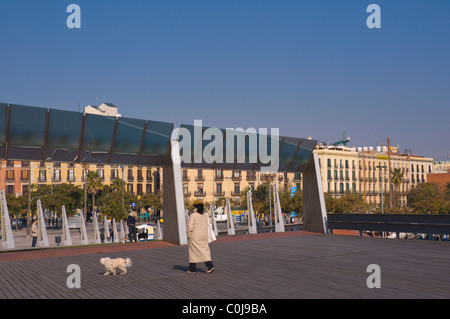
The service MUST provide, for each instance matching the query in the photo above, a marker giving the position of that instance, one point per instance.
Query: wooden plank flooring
(291, 265)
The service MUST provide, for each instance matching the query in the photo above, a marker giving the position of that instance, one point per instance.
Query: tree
(93, 186)
(297, 202)
(397, 179)
(17, 206)
(330, 202)
(427, 198)
(151, 200)
(349, 203)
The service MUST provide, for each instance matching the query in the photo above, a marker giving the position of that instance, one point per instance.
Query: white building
(106, 109)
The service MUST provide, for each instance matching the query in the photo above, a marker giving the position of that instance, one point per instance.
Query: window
(114, 173)
(25, 164)
(130, 188)
(85, 172)
(139, 189)
(9, 163)
(57, 175)
(148, 188)
(219, 173)
(71, 175)
(9, 189)
(149, 174)
(101, 173)
(237, 188)
(10, 175)
(25, 175)
(130, 174)
(42, 175)
(219, 188)
(329, 162)
(140, 177)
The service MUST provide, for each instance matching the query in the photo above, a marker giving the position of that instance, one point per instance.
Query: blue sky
(310, 68)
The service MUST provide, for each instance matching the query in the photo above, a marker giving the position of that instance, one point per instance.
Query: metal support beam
(314, 212)
(173, 200)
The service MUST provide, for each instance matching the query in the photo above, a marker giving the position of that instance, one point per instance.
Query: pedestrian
(34, 233)
(198, 239)
(131, 223)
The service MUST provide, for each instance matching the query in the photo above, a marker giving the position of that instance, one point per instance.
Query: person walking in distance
(131, 223)
(34, 233)
(198, 239)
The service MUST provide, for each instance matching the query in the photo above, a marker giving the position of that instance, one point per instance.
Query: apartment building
(16, 176)
(366, 171)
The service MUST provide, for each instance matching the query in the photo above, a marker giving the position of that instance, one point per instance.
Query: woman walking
(198, 239)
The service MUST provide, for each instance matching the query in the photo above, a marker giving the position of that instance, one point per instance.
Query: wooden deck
(291, 265)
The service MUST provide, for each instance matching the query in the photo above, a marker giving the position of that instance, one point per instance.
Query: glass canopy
(51, 135)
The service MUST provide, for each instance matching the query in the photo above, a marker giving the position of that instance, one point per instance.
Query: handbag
(211, 235)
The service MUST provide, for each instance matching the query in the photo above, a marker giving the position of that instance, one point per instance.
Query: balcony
(251, 177)
(200, 178)
(187, 194)
(200, 193)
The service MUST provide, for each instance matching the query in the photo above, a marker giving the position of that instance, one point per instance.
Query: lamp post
(51, 171)
(381, 185)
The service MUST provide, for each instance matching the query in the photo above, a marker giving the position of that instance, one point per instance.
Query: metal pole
(123, 187)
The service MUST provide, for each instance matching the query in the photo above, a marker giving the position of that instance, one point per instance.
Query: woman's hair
(200, 208)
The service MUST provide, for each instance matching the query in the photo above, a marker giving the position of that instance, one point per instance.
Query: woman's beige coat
(198, 238)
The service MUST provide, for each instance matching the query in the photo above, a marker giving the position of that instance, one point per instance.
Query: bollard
(58, 239)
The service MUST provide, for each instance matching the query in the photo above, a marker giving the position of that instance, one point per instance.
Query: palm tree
(397, 179)
(118, 184)
(93, 185)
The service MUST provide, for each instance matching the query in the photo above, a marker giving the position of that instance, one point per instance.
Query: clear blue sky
(310, 68)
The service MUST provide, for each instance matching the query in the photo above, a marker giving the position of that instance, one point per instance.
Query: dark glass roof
(42, 134)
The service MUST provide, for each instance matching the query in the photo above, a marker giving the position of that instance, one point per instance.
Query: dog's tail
(128, 262)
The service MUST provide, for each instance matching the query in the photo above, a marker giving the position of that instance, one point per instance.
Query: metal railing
(397, 223)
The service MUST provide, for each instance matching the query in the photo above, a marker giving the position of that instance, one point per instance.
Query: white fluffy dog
(112, 264)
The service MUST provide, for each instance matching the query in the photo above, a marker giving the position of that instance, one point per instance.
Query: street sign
(293, 190)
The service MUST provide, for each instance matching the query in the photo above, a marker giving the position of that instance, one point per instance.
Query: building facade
(16, 176)
(367, 172)
(342, 170)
